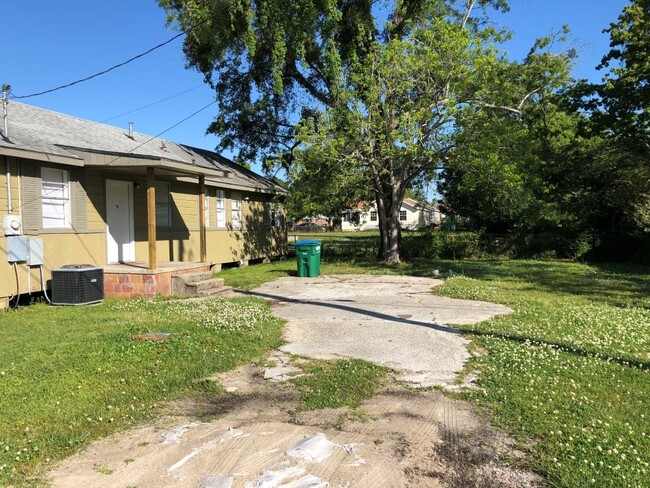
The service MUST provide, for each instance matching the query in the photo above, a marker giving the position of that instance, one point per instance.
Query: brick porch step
(198, 284)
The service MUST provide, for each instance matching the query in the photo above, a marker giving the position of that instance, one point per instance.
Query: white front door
(119, 222)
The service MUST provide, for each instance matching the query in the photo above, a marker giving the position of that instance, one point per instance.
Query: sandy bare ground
(254, 436)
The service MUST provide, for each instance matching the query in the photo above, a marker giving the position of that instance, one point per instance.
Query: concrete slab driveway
(391, 320)
(254, 436)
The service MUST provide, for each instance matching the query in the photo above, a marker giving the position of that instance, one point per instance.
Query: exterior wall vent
(77, 284)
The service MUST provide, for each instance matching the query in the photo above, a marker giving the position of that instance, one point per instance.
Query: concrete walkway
(254, 436)
(394, 321)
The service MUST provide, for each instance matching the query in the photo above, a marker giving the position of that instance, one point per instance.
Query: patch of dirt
(248, 438)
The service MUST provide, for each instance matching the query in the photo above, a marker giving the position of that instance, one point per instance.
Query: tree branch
(313, 91)
(470, 6)
(399, 22)
(517, 110)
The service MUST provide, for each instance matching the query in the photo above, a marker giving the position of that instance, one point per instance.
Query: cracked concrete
(253, 436)
(395, 321)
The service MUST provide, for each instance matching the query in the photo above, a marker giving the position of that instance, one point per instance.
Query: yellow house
(73, 191)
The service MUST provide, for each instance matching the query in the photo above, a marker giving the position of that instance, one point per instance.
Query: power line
(101, 72)
(152, 104)
(138, 56)
(172, 127)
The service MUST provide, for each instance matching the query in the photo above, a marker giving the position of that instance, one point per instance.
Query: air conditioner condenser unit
(77, 284)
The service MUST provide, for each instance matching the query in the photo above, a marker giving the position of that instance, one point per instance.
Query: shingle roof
(43, 131)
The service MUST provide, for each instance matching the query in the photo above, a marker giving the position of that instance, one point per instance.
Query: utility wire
(152, 104)
(138, 56)
(101, 72)
(169, 128)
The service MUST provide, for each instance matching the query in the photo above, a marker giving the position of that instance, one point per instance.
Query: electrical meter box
(12, 225)
(17, 249)
(35, 254)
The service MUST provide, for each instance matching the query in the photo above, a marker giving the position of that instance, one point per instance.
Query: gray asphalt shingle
(44, 131)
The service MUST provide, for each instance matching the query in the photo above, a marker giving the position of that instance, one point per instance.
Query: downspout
(10, 206)
(5, 134)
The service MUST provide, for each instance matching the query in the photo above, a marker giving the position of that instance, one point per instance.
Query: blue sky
(49, 43)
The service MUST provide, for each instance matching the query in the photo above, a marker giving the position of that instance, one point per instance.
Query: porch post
(151, 217)
(202, 236)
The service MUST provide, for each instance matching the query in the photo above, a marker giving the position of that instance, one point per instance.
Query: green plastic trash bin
(308, 255)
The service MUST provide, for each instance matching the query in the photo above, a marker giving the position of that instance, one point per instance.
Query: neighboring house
(413, 215)
(101, 195)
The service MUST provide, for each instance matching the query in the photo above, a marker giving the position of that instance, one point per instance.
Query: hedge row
(462, 245)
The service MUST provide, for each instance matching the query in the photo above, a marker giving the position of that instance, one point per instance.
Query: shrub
(444, 245)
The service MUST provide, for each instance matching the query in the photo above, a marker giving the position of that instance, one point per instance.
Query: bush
(547, 245)
(464, 245)
(444, 245)
(625, 248)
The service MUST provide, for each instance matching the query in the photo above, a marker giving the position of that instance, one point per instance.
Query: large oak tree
(359, 92)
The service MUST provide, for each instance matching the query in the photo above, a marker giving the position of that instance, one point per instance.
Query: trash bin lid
(307, 242)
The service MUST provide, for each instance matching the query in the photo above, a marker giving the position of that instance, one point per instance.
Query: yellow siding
(181, 243)
(185, 205)
(58, 250)
(96, 206)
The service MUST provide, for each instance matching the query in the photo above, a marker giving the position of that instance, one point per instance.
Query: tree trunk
(389, 228)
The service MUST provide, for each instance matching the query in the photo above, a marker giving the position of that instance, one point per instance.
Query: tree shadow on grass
(614, 284)
(576, 351)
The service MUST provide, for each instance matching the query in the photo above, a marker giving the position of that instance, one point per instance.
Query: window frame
(220, 207)
(236, 213)
(403, 212)
(373, 216)
(275, 216)
(47, 197)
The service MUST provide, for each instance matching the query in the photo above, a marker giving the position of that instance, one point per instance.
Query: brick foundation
(144, 283)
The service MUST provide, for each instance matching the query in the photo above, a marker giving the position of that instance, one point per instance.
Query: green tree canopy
(576, 163)
(369, 91)
(619, 106)
(618, 110)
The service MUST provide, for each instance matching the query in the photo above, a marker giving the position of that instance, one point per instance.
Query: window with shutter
(79, 199)
(31, 190)
(163, 204)
(55, 198)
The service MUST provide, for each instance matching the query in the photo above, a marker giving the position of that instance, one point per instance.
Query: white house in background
(413, 215)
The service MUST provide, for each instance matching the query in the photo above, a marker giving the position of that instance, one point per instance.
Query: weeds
(338, 383)
(69, 375)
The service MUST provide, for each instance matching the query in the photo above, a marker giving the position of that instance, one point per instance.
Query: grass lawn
(334, 384)
(568, 374)
(69, 375)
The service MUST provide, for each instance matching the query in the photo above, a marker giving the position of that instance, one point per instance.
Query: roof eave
(126, 160)
(41, 156)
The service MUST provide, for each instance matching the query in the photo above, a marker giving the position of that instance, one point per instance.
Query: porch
(137, 279)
